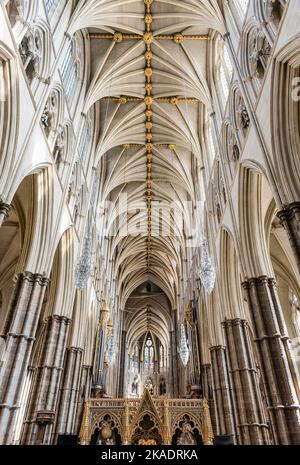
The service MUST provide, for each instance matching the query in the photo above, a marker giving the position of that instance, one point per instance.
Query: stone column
(225, 421)
(43, 399)
(207, 386)
(194, 364)
(174, 357)
(122, 364)
(20, 334)
(84, 394)
(279, 371)
(66, 411)
(290, 219)
(174, 364)
(252, 425)
(99, 378)
(4, 211)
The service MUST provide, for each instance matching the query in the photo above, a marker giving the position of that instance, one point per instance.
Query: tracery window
(211, 145)
(135, 359)
(224, 68)
(70, 69)
(161, 356)
(49, 4)
(149, 355)
(85, 139)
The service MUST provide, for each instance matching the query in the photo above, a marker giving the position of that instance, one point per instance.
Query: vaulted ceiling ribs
(149, 74)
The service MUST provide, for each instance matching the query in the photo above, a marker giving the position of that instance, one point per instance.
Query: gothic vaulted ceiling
(148, 79)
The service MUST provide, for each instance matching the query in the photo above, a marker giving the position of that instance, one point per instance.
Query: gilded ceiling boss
(149, 223)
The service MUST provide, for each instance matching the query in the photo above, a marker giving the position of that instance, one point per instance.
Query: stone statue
(186, 438)
(135, 385)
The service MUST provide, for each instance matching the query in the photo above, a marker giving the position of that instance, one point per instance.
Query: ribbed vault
(149, 81)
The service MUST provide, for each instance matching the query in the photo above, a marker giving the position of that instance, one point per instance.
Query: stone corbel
(4, 211)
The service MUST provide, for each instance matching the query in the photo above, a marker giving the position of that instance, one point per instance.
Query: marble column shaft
(194, 376)
(47, 379)
(174, 365)
(252, 427)
(290, 219)
(69, 392)
(225, 421)
(122, 365)
(207, 386)
(84, 394)
(20, 335)
(174, 355)
(279, 371)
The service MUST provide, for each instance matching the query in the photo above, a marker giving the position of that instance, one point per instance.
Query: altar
(146, 421)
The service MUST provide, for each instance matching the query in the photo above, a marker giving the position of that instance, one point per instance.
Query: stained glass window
(149, 354)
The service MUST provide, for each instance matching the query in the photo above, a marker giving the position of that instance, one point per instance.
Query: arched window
(210, 140)
(161, 356)
(135, 361)
(223, 71)
(49, 4)
(70, 68)
(149, 354)
(85, 140)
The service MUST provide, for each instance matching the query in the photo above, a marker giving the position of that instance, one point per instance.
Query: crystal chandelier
(207, 269)
(184, 350)
(111, 349)
(83, 266)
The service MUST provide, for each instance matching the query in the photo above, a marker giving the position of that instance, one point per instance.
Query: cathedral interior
(149, 222)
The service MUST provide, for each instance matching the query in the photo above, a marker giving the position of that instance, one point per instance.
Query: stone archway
(146, 426)
(147, 431)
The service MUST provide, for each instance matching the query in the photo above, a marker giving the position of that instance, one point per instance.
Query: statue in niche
(242, 116)
(49, 115)
(162, 387)
(31, 52)
(259, 51)
(274, 10)
(106, 435)
(217, 205)
(149, 386)
(234, 151)
(135, 385)
(15, 10)
(59, 148)
(186, 438)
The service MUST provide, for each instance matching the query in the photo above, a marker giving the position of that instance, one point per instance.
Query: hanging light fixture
(183, 350)
(111, 352)
(83, 266)
(207, 269)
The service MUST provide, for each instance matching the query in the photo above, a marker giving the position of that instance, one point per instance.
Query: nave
(149, 222)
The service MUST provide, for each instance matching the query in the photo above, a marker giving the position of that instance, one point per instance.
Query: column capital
(257, 281)
(45, 416)
(59, 318)
(32, 278)
(234, 322)
(74, 350)
(289, 211)
(4, 211)
(219, 347)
